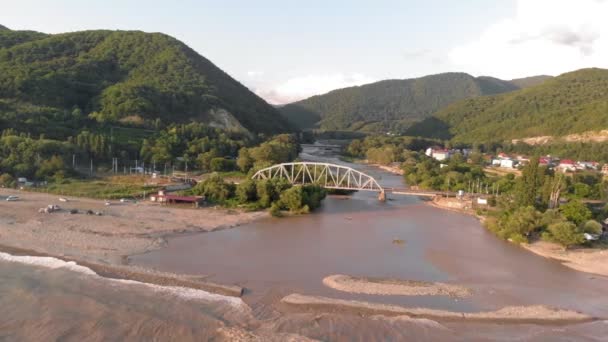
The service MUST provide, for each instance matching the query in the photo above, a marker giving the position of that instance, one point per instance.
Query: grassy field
(106, 188)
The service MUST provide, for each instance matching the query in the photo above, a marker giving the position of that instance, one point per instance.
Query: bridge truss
(330, 176)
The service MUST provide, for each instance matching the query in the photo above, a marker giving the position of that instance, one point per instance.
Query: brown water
(275, 257)
(354, 235)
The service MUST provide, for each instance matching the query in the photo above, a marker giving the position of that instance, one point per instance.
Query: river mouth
(355, 235)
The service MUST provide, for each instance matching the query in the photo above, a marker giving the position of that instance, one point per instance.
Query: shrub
(576, 211)
(7, 180)
(246, 192)
(566, 234)
(222, 164)
(215, 189)
(592, 227)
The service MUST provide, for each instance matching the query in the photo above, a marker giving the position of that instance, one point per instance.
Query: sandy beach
(587, 260)
(104, 242)
(376, 286)
(512, 314)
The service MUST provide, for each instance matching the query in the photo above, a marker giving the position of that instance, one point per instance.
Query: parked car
(12, 198)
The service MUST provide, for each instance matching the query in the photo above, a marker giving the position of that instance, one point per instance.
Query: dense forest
(391, 105)
(58, 84)
(571, 103)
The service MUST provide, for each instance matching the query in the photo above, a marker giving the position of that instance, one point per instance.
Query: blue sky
(286, 50)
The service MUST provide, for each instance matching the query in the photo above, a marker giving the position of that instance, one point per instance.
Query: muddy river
(351, 235)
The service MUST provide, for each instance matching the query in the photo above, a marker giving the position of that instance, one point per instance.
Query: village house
(438, 153)
(587, 165)
(566, 165)
(545, 161)
(508, 163)
(505, 161)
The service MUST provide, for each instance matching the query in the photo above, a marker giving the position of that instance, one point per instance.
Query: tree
(215, 189)
(244, 161)
(565, 233)
(6, 180)
(528, 185)
(576, 211)
(246, 191)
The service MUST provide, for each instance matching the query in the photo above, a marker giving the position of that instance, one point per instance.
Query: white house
(566, 165)
(508, 163)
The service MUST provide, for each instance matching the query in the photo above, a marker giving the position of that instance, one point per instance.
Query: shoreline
(105, 243)
(587, 260)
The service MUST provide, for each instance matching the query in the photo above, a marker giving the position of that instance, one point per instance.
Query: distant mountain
(574, 102)
(530, 81)
(389, 105)
(121, 78)
(2, 27)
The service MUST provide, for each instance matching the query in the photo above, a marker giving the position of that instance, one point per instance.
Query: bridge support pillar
(382, 196)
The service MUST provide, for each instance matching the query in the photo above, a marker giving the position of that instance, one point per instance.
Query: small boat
(62, 199)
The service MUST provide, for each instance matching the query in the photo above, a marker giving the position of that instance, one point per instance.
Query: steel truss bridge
(329, 176)
(332, 176)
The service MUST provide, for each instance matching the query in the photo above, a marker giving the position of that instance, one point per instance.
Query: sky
(286, 50)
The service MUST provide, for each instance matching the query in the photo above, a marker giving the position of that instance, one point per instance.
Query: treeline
(385, 149)
(276, 194)
(526, 207)
(282, 148)
(534, 210)
(22, 156)
(193, 146)
(584, 151)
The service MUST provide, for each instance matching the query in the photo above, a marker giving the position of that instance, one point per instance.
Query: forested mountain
(530, 81)
(3, 27)
(55, 84)
(389, 105)
(570, 103)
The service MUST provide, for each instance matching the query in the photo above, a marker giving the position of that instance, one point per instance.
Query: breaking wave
(181, 292)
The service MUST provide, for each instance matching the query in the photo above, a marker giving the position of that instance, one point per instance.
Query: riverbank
(535, 314)
(103, 243)
(587, 260)
(394, 168)
(375, 286)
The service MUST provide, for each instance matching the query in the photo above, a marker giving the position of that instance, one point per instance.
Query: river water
(274, 257)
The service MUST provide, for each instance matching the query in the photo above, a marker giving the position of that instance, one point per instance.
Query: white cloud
(544, 37)
(302, 87)
(255, 74)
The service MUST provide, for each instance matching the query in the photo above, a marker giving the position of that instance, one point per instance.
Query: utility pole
(73, 161)
(91, 171)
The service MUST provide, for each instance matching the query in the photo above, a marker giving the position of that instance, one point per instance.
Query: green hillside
(527, 82)
(389, 105)
(121, 78)
(2, 27)
(571, 103)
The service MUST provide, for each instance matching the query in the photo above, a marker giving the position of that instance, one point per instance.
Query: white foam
(185, 292)
(48, 262)
(182, 292)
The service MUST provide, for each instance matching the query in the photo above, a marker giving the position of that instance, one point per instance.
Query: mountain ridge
(574, 102)
(393, 104)
(124, 77)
